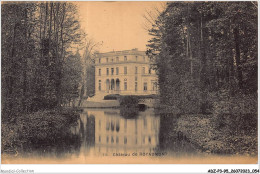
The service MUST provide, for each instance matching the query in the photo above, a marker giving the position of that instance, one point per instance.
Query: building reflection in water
(105, 132)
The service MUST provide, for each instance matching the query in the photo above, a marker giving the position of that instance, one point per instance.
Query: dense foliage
(205, 50)
(39, 68)
(112, 97)
(40, 73)
(38, 129)
(128, 101)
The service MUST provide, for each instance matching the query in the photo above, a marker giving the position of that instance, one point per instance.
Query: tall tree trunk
(50, 32)
(60, 58)
(189, 50)
(11, 77)
(46, 17)
(191, 58)
(25, 67)
(202, 69)
(238, 61)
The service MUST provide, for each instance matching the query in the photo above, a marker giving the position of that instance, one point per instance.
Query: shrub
(151, 96)
(111, 97)
(225, 103)
(129, 101)
(38, 129)
(9, 138)
(129, 112)
(46, 126)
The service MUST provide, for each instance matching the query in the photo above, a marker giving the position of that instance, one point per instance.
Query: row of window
(154, 86)
(125, 71)
(117, 59)
(114, 125)
(112, 140)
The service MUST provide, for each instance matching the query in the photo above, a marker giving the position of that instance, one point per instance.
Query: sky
(117, 25)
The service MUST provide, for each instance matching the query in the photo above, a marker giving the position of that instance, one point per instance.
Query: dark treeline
(39, 68)
(204, 53)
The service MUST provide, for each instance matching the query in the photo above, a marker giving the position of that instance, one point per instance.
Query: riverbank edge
(46, 126)
(202, 132)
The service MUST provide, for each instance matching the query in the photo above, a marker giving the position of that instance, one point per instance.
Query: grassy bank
(224, 134)
(37, 130)
(230, 128)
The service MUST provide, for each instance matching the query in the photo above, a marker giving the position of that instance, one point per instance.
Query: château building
(125, 72)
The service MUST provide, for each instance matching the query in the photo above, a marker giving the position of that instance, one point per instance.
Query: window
(117, 140)
(143, 70)
(144, 58)
(112, 126)
(117, 59)
(112, 71)
(136, 70)
(145, 123)
(117, 126)
(125, 70)
(135, 78)
(125, 85)
(145, 86)
(149, 140)
(107, 139)
(99, 85)
(135, 86)
(99, 72)
(149, 71)
(99, 60)
(107, 71)
(154, 86)
(112, 60)
(117, 70)
(107, 125)
(99, 138)
(136, 58)
(107, 60)
(125, 58)
(112, 139)
(125, 125)
(125, 140)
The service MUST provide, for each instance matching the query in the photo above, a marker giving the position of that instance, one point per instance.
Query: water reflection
(172, 140)
(106, 133)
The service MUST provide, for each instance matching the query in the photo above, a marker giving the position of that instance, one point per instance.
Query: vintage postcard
(141, 82)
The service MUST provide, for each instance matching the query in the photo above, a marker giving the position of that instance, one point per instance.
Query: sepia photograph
(134, 82)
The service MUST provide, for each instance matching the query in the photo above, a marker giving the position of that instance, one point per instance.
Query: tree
(18, 50)
(89, 62)
(88, 79)
(60, 32)
(71, 79)
(37, 40)
(198, 49)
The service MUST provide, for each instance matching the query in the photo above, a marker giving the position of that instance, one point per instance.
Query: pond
(105, 136)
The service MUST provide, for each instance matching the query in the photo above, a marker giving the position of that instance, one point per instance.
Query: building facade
(125, 72)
